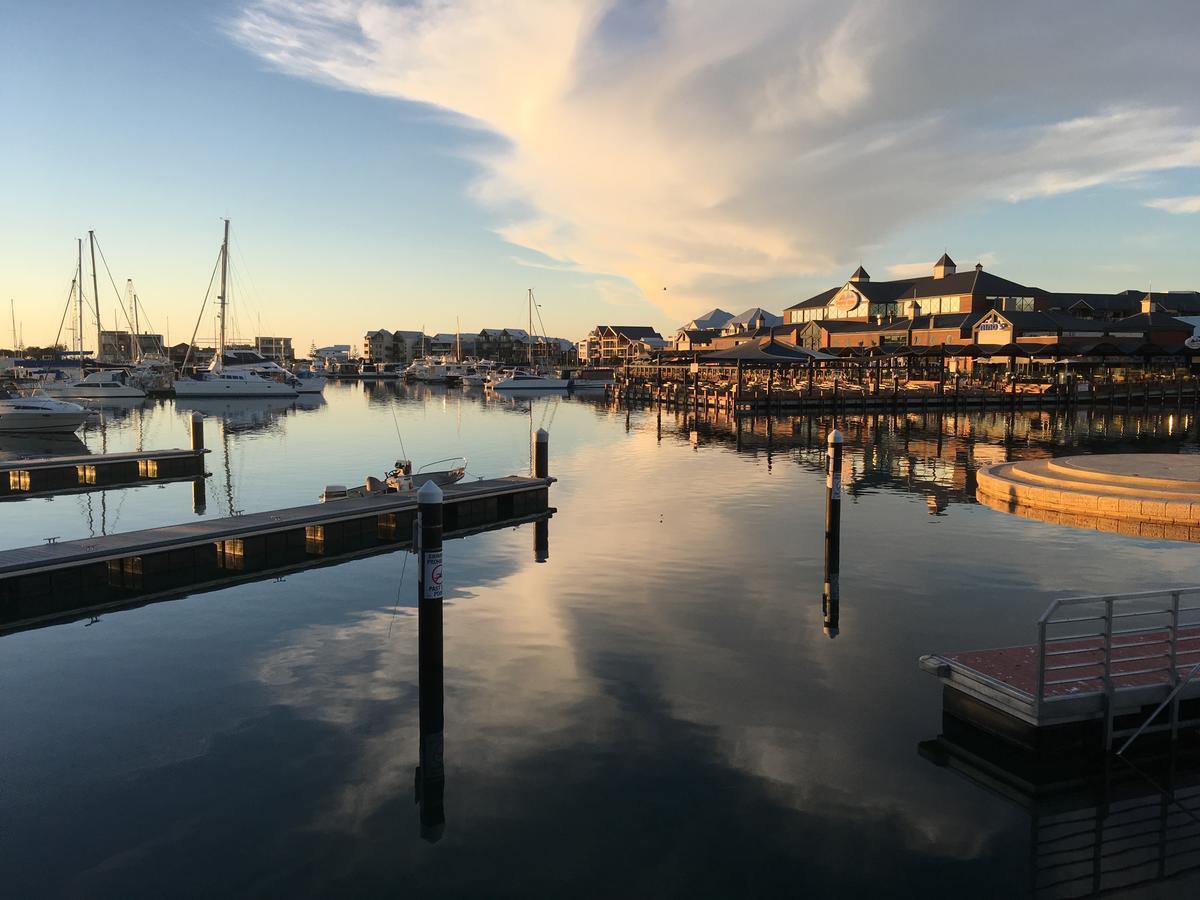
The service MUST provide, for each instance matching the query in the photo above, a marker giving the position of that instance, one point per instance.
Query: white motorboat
(401, 480)
(44, 415)
(243, 359)
(529, 381)
(306, 381)
(107, 384)
(474, 379)
(241, 380)
(231, 384)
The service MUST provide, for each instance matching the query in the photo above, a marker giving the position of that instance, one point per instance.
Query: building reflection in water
(936, 454)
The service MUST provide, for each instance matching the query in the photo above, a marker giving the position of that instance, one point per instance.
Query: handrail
(1105, 653)
(1139, 595)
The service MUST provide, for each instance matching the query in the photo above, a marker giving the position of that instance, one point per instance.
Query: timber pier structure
(857, 387)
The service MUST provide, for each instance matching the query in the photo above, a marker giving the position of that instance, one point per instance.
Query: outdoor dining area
(778, 374)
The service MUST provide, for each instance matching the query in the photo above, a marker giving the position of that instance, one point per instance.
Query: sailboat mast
(95, 293)
(79, 298)
(457, 340)
(221, 297)
(12, 305)
(529, 334)
(137, 344)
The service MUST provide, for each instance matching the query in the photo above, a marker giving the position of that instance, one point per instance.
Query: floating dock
(1102, 668)
(48, 475)
(58, 579)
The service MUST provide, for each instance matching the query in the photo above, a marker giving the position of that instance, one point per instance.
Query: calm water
(653, 711)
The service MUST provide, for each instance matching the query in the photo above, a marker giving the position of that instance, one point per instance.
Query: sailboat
(218, 381)
(530, 380)
(103, 384)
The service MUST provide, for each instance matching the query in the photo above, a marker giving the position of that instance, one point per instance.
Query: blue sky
(401, 166)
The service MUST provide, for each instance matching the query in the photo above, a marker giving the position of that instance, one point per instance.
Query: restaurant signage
(847, 300)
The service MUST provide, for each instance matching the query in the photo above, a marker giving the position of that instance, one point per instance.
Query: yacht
(307, 381)
(39, 414)
(107, 384)
(243, 359)
(237, 382)
(524, 380)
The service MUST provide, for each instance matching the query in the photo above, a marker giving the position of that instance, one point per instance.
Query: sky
(416, 164)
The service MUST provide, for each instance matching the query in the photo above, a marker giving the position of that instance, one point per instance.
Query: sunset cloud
(680, 143)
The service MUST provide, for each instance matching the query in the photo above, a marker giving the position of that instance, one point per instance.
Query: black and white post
(833, 533)
(431, 771)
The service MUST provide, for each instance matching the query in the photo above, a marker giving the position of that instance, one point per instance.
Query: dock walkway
(53, 578)
(23, 478)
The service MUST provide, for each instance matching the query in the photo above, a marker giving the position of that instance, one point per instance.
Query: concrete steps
(1160, 490)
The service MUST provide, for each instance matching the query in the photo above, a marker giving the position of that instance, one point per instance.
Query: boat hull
(249, 389)
(96, 392)
(531, 384)
(41, 422)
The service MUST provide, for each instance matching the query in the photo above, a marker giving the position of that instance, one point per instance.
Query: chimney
(978, 267)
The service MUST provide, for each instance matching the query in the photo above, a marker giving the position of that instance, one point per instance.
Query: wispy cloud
(1176, 205)
(683, 144)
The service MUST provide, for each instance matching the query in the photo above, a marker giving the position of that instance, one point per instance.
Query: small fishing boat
(401, 480)
(25, 415)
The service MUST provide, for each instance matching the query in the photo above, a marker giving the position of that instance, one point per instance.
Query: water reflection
(1095, 826)
(669, 654)
(27, 446)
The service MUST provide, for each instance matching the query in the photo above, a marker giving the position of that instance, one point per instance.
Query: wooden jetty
(41, 476)
(56, 579)
(1103, 667)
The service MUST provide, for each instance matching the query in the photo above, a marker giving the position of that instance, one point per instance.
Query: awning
(770, 354)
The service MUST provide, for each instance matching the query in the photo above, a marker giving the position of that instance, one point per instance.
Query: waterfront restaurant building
(951, 308)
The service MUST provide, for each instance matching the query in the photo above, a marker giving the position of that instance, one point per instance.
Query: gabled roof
(977, 283)
(714, 318)
(750, 315)
(634, 332)
(1122, 301)
(699, 334)
(1160, 320)
(491, 332)
(1046, 321)
(821, 299)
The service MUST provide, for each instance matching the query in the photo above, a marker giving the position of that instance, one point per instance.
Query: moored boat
(401, 480)
(27, 415)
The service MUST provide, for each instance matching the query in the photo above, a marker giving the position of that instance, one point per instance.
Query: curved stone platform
(1146, 494)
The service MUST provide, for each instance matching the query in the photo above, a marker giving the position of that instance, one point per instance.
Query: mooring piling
(197, 429)
(833, 533)
(431, 770)
(541, 454)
